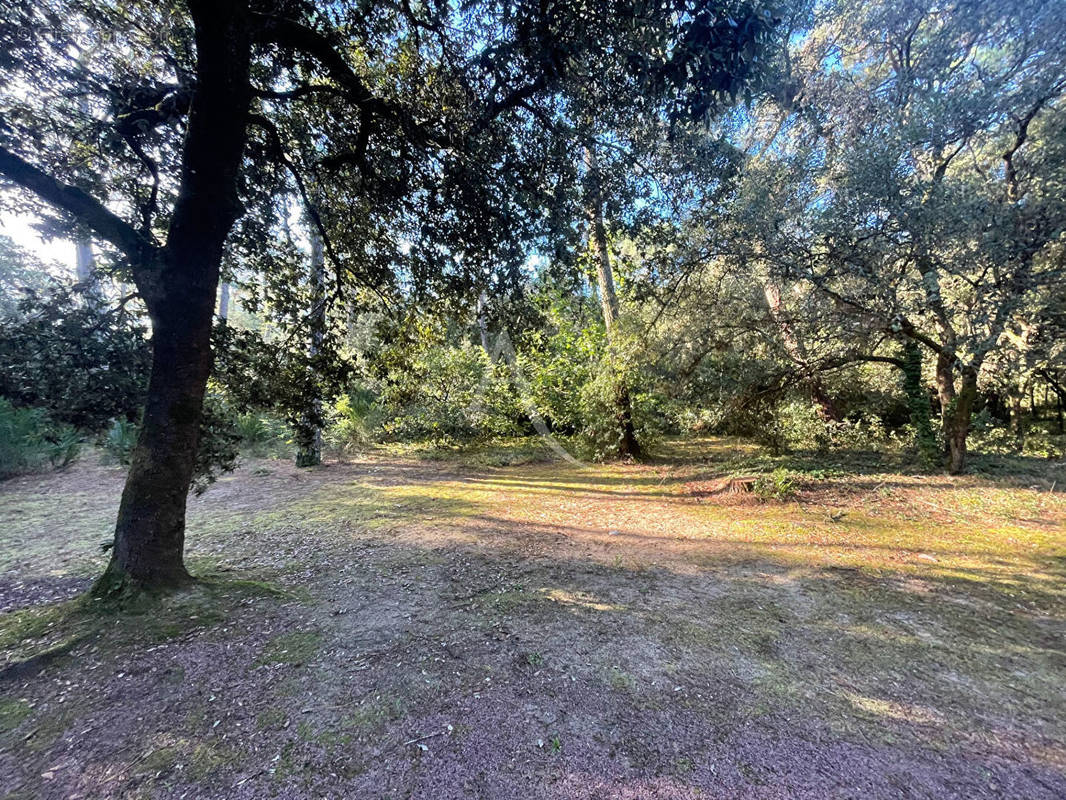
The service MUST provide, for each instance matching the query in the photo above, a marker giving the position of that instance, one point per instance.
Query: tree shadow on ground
(534, 651)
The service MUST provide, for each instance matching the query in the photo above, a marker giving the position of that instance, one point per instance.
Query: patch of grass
(12, 713)
(297, 647)
(372, 715)
(197, 759)
(271, 718)
(620, 680)
(31, 637)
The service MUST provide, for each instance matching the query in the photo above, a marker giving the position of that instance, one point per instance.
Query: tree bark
(84, 263)
(309, 429)
(482, 323)
(957, 421)
(179, 286)
(918, 402)
(223, 302)
(1017, 418)
(628, 445)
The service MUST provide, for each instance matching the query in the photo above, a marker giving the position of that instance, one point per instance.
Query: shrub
(777, 485)
(30, 439)
(447, 393)
(119, 441)
(263, 434)
(351, 421)
(219, 442)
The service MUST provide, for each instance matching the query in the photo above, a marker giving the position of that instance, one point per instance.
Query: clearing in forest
(397, 627)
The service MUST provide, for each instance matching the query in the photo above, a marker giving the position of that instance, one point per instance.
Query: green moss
(372, 715)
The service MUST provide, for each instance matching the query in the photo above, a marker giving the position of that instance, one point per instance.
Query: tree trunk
(179, 287)
(628, 445)
(1017, 418)
(84, 262)
(150, 533)
(918, 402)
(223, 303)
(309, 429)
(957, 421)
(482, 324)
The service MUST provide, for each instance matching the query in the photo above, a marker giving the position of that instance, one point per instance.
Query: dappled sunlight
(552, 589)
(579, 600)
(905, 712)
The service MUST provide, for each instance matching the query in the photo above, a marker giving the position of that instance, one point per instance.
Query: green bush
(263, 434)
(352, 420)
(777, 485)
(30, 439)
(219, 443)
(119, 441)
(449, 393)
(797, 425)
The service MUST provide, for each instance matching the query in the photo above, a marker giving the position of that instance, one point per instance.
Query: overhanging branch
(83, 207)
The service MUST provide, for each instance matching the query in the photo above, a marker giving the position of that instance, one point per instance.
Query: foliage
(83, 361)
(29, 439)
(448, 392)
(777, 485)
(219, 447)
(119, 441)
(352, 420)
(263, 433)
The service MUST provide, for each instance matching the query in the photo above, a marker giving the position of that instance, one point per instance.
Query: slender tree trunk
(945, 391)
(179, 287)
(1017, 418)
(628, 445)
(84, 262)
(223, 303)
(309, 429)
(482, 324)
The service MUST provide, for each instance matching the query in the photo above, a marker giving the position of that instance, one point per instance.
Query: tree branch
(86, 209)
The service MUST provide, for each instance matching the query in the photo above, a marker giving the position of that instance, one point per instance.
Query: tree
(910, 170)
(188, 112)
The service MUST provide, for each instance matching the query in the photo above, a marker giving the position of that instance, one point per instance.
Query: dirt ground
(390, 627)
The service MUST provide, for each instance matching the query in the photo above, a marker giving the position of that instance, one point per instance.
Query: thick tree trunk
(628, 445)
(179, 286)
(150, 533)
(957, 422)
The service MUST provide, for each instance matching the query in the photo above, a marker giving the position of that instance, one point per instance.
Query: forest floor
(399, 627)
